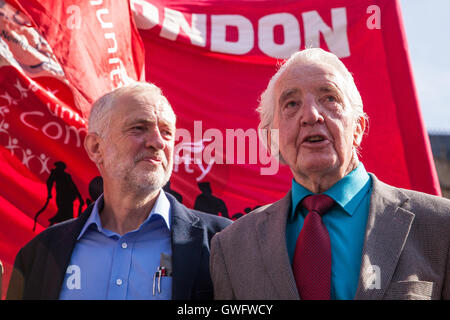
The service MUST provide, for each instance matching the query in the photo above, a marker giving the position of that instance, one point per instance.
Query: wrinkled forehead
(308, 73)
(127, 105)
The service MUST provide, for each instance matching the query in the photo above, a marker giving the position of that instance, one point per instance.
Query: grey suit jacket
(405, 254)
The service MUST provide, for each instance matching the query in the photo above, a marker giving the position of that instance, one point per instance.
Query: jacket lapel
(59, 256)
(271, 234)
(186, 246)
(187, 237)
(387, 229)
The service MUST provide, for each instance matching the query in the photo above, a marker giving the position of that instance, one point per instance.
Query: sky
(427, 26)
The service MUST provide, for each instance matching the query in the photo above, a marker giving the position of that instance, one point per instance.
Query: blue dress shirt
(105, 265)
(346, 224)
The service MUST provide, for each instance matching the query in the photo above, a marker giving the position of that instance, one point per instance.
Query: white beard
(133, 178)
(145, 183)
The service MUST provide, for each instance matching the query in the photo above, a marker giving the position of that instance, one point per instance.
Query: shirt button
(124, 245)
(119, 282)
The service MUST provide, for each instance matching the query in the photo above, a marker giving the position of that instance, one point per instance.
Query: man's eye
(331, 99)
(166, 133)
(138, 128)
(291, 104)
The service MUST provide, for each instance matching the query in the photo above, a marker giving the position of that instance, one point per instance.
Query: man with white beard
(135, 241)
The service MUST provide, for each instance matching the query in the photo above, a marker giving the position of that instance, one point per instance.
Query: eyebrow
(331, 87)
(139, 121)
(287, 94)
(149, 122)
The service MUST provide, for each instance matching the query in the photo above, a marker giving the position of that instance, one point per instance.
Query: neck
(321, 182)
(123, 213)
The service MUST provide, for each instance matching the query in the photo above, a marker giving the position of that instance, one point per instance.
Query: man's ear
(92, 146)
(359, 131)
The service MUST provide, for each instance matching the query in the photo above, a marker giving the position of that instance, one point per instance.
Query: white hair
(100, 114)
(267, 104)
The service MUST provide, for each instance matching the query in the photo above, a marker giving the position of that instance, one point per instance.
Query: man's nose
(154, 139)
(311, 111)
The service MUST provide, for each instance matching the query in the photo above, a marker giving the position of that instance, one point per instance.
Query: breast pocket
(410, 290)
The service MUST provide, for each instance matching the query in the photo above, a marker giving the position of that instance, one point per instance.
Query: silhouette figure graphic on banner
(237, 216)
(66, 193)
(95, 189)
(206, 202)
(246, 211)
(177, 196)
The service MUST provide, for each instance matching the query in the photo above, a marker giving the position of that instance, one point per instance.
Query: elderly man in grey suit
(339, 233)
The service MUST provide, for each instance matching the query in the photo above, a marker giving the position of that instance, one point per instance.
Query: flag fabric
(56, 58)
(213, 59)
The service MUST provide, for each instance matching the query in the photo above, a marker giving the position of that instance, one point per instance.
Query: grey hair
(100, 115)
(267, 104)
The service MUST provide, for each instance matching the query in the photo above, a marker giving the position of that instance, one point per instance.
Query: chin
(157, 179)
(153, 180)
(318, 165)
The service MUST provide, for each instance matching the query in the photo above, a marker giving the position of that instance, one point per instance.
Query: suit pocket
(410, 290)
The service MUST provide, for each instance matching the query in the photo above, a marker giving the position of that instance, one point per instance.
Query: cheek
(169, 151)
(289, 128)
(286, 140)
(346, 140)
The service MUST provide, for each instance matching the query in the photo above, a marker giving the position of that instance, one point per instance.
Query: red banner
(55, 59)
(212, 60)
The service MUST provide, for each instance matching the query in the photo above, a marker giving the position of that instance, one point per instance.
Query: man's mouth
(152, 159)
(314, 139)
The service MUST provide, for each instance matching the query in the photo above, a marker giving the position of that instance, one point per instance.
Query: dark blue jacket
(40, 266)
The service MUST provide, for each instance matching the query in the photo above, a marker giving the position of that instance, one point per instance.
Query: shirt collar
(344, 191)
(160, 208)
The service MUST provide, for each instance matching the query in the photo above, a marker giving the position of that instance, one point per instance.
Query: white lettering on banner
(291, 31)
(13, 144)
(60, 112)
(182, 155)
(101, 12)
(118, 74)
(47, 132)
(175, 20)
(118, 71)
(77, 133)
(145, 14)
(112, 36)
(25, 114)
(335, 36)
(219, 43)
(52, 129)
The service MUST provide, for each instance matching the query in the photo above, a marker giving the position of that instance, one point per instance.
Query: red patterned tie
(312, 257)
